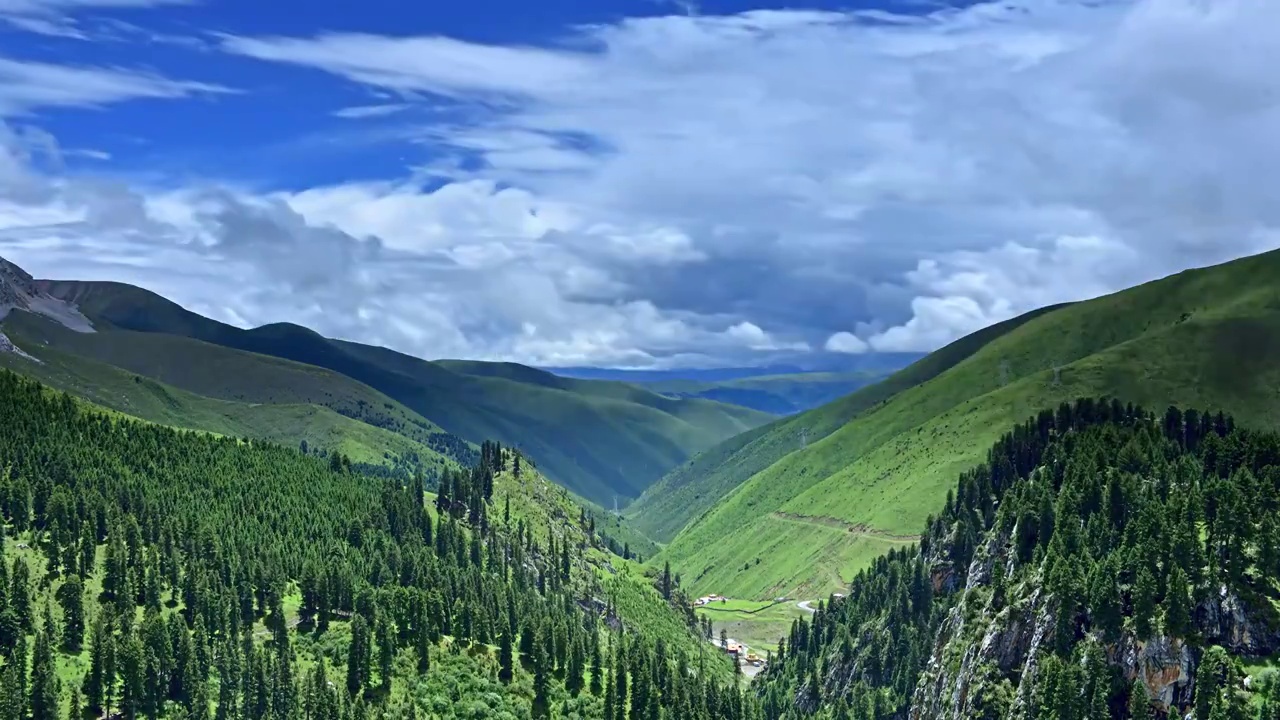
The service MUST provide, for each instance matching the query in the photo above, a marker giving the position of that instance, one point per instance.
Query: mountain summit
(18, 290)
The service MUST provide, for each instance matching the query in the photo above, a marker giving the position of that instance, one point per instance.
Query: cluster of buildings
(730, 646)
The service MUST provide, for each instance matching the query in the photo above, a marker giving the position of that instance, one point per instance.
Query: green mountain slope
(814, 515)
(288, 422)
(692, 489)
(599, 439)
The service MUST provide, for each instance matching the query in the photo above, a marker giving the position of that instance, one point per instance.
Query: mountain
(774, 394)
(19, 291)
(1105, 561)
(147, 571)
(603, 440)
(809, 362)
(801, 505)
(774, 389)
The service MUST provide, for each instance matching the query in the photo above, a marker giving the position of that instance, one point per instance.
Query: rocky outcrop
(974, 648)
(978, 647)
(7, 346)
(1242, 630)
(19, 291)
(1165, 665)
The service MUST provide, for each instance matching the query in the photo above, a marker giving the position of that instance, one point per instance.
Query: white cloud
(55, 18)
(361, 112)
(361, 262)
(665, 189)
(846, 342)
(28, 85)
(432, 64)
(914, 178)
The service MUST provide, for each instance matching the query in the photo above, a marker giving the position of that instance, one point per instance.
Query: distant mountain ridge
(776, 389)
(602, 440)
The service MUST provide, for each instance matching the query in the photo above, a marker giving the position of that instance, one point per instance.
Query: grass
(224, 373)
(141, 397)
(760, 625)
(691, 490)
(600, 439)
(1207, 339)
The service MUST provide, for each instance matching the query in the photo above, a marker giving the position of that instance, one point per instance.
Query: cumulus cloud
(697, 189)
(496, 289)
(894, 180)
(847, 343)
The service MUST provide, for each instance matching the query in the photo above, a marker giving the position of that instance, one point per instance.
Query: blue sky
(635, 183)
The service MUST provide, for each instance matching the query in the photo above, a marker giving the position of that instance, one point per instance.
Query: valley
(1057, 487)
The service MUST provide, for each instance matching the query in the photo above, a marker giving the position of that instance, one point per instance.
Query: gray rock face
(1226, 619)
(18, 291)
(7, 346)
(1165, 665)
(977, 646)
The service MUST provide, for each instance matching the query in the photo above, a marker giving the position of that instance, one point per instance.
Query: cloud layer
(688, 189)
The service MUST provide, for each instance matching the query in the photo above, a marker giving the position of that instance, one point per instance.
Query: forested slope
(163, 573)
(1104, 562)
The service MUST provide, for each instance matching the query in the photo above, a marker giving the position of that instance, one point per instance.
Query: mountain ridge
(602, 440)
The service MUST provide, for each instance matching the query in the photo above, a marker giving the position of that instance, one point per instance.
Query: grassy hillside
(774, 394)
(599, 439)
(288, 423)
(814, 515)
(693, 488)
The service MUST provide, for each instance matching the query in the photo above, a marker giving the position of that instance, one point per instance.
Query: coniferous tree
(1139, 703)
(506, 659)
(71, 597)
(44, 678)
(96, 680)
(597, 672)
(1144, 604)
(1177, 605)
(359, 655)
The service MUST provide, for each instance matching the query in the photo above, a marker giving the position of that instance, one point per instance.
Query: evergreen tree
(506, 659)
(597, 672)
(71, 597)
(44, 677)
(1139, 703)
(1144, 604)
(1177, 605)
(359, 655)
